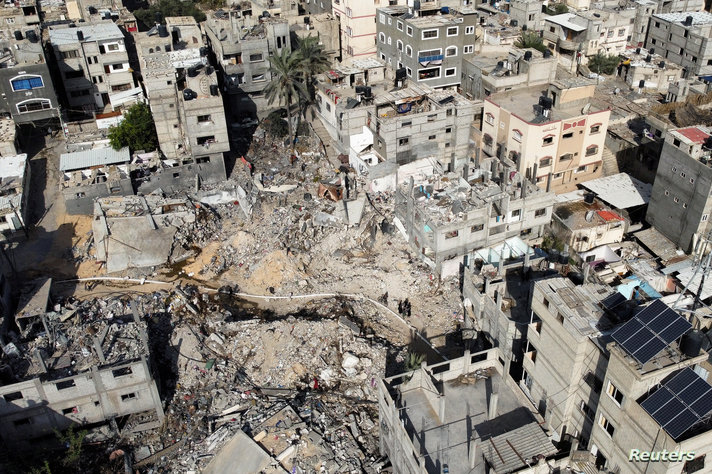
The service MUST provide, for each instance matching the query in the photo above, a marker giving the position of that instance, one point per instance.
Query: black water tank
(688, 20)
(648, 58)
(554, 255)
(637, 50)
(564, 258)
(92, 10)
(32, 36)
(162, 31)
(401, 74)
(576, 277)
(192, 72)
(547, 53)
(641, 84)
(18, 35)
(188, 94)
(588, 198)
(306, 20)
(662, 65)
(80, 35)
(652, 50)
(528, 56)
(209, 70)
(691, 343)
(213, 89)
(514, 23)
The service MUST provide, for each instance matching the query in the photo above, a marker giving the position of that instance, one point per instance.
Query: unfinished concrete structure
(137, 231)
(685, 39)
(242, 44)
(681, 201)
(485, 75)
(93, 63)
(640, 68)
(93, 173)
(582, 225)
(88, 378)
(14, 192)
(447, 220)
(555, 135)
(462, 415)
(526, 13)
(430, 47)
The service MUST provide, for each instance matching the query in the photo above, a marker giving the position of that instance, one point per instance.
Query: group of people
(404, 307)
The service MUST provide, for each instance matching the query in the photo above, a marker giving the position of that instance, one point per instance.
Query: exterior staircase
(610, 163)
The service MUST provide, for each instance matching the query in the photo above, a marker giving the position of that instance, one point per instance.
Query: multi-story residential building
(685, 39)
(651, 71)
(681, 200)
(242, 45)
(316, 7)
(93, 64)
(28, 94)
(526, 13)
(574, 36)
(276, 8)
(485, 75)
(593, 381)
(582, 225)
(358, 26)
(478, 214)
(557, 138)
(430, 48)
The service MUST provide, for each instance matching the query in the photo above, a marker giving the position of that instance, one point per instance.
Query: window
(451, 51)
(69, 54)
(409, 30)
(692, 180)
(204, 118)
(468, 49)
(122, 371)
(448, 130)
(682, 175)
(696, 465)
(676, 199)
(382, 18)
(256, 57)
(430, 73)
(592, 150)
(206, 140)
(704, 217)
(431, 137)
(128, 396)
(594, 382)
(65, 384)
(407, 123)
(409, 71)
(73, 74)
(399, 25)
(621, 32)
(595, 129)
(449, 72)
(469, 30)
(568, 135)
(586, 410)
(399, 45)
(11, 397)
(516, 135)
(452, 234)
(33, 105)
(548, 140)
(614, 393)
(477, 228)
(97, 79)
(544, 162)
(606, 425)
(426, 53)
(516, 213)
(566, 157)
(389, 40)
(112, 47)
(409, 51)
(125, 87)
(26, 83)
(429, 34)
(452, 31)
(382, 37)
(489, 118)
(69, 411)
(403, 141)
(581, 169)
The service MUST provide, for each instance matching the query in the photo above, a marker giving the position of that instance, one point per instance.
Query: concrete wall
(90, 397)
(668, 38)
(183, 177)
(80, 199)
(163, 100)
(9, 99)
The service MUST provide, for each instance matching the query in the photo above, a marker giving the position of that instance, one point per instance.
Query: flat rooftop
(692, 135)
(521, 103)
(569, 21)
(96, 32)
(698, 18)
(580, 215)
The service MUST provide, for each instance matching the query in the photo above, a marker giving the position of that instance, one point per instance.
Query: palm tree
(286, 85)
(313, 60)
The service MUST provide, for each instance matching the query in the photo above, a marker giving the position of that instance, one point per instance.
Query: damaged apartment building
(448, 218)
(27, 91)
(74, 366)
(553, 134)
(185, 101)
(242, 43)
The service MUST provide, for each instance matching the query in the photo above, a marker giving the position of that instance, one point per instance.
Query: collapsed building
(137, 231)
(77, 367)
(14, 192)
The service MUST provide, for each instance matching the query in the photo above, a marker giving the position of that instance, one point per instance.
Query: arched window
(150, 50)
(451, 51)
(399, 45)
(517, 135)
(382, 37)
(409, 51)
(26, 83)
(591, 150)
(33, 105)
(489, 118)
(158, 49)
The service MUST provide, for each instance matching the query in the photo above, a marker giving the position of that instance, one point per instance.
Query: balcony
(567, 44)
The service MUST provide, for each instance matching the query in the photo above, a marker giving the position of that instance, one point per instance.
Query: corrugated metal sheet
(86, 159)
(511, 451)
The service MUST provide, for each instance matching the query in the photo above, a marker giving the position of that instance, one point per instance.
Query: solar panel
(681, 403)
(650, 331)
(613, 300)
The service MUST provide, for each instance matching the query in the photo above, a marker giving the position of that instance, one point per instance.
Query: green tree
(286, 85)
(313, 60)
(136, 130)
(160, 10)
(414, 361)
(603, 64)
(72, 440)
(530, 39)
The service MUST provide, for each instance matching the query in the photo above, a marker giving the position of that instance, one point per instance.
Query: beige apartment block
(358, 26)
(554, 135)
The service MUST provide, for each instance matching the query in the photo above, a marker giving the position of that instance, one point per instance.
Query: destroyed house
(83, 369)
(89, 174)
(582, 225)
(137, 231)
(593, 358)
(448, 218)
